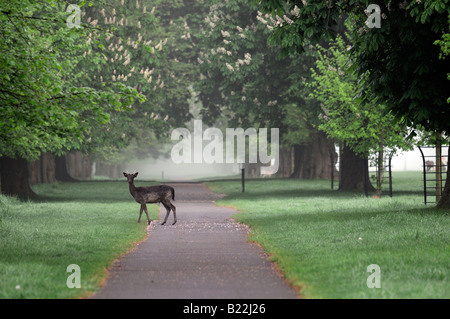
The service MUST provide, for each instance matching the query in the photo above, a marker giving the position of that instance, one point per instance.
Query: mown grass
(87, 223)
(324, 240)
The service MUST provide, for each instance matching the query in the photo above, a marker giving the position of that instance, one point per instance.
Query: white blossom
(295, 11)
(248, 58)
(289, 21)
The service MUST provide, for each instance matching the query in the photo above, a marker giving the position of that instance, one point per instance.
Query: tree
(245, 82)
(42, 110)
(406, 73)
(151, 48)
(366, 128)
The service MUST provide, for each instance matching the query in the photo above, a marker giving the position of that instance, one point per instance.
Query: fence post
(438, 167)
(390, 174)
(424, 177)
(366, 177)
(332, 169)
(243, 179)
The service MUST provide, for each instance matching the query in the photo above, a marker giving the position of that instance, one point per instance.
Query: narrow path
(204, 255)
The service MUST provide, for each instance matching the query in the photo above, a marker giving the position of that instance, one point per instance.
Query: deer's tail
(173, 192)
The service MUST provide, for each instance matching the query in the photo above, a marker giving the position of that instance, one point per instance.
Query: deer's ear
(125, 174)
(135, 174)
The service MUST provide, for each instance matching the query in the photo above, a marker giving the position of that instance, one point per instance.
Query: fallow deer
(152, 194)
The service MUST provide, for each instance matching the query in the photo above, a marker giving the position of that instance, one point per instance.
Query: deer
(429, 165)
(152, 194)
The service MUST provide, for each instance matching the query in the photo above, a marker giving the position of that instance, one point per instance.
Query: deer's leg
(146, 213)
(174, 213)
(140, 213)
(167, 213)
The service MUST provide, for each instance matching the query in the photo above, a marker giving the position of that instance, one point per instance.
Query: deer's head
(130, 177)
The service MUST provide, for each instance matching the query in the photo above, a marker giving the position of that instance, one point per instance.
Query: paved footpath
(204, 255)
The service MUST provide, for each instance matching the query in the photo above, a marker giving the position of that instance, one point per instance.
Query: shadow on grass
(339, 216)
(255, 189)
(85, 191)
(256, 194)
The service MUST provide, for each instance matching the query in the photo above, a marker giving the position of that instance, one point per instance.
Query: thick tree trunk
(78, 165)
(14, 178)
(353, 172)
(43, 169)
(286, 162)
(48, 168)
(61, 172)
(113, 170)
(312, 161)
(253, 169)
(444, 202)
(35, 171)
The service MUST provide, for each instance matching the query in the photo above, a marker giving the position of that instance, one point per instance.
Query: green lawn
(323, 240)
(87, 223)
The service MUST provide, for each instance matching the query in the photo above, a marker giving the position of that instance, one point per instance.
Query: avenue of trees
(112, 89)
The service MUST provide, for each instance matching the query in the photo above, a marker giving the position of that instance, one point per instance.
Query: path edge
(293, 284)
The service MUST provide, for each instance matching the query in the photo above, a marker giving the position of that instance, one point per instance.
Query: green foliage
(237, 67)
(367, 128)
(406, 73)
(44, 108)
(244, 79)
(149, 47)
(444, 43)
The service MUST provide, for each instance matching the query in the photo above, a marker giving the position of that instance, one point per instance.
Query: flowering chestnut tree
(245, 81)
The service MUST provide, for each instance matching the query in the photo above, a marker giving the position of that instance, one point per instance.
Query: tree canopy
(401, 56)
(364, 126)
(44, 108)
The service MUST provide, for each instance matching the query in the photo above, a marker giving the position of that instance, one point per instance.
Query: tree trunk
(312, 161)
(437, 168)
(444, 202)
(35, 171)
(48, 168)
(352, 171)
(286, 161)
(380, 170)
(61, 172)
(14, 178)
(78, 165)
(115, 170)
(42, 170)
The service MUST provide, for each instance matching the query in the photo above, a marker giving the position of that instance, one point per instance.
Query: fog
(164, 169)
(412, 160)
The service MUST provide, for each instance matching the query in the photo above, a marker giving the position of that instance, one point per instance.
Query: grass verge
(89, 224)
(323, 240)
